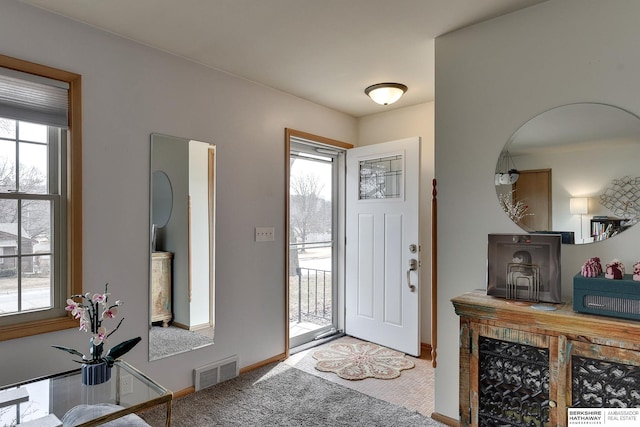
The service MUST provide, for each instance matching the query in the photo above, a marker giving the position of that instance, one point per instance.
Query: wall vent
(215, 373)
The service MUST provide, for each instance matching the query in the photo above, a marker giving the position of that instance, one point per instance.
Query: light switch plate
(265, 234)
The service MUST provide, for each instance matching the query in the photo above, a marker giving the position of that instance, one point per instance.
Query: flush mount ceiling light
(385, 93)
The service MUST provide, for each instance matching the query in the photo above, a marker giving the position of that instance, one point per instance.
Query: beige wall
(129, 92)
(490, 79)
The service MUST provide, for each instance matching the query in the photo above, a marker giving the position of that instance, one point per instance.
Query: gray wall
(490, 79)
(130, 91)
(173, 159)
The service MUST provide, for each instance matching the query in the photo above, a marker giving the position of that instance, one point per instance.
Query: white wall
(130, 91)
(490, 79)
(402, 123)
(200, 233)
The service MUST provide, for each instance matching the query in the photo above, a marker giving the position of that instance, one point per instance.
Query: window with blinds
(40, 200)
(33, 98)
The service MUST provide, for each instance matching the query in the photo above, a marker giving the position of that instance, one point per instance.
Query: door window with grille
(381, 178)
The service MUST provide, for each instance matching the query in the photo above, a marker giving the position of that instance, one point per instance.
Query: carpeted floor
(168, 341)
(280, 395)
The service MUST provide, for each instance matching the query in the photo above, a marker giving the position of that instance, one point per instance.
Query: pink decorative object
(591, 267)
(615, 270)
(636, 271)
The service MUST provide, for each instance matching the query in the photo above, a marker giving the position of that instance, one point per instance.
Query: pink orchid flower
(110, 313)
(99, 298)
(100, 336)
(74, 308)
(84, 322)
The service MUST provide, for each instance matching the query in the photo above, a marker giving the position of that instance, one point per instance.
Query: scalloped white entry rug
(357, 361)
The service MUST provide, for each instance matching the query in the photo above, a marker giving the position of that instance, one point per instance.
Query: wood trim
(73, 254)
(277, 358)
(425, 351)
(184, 392)
(465, 374)
(445, 420)
(287, 194)
(288, 134)
(37, 69)
(316, 138)
(434, 274)
(75, 221)
(25, 329)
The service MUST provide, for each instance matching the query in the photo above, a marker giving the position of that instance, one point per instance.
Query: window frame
(72, 255)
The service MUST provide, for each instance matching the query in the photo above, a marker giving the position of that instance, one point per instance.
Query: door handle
(413, 266)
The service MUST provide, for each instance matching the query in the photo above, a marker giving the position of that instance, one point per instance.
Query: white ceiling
(325, 51)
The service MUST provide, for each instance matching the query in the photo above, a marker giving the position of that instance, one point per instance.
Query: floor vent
(215, 373)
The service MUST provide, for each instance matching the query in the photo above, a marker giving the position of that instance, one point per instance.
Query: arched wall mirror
(182, 243)
(162, 203)
(573, 170)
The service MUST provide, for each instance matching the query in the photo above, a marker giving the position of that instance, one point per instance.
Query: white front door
(382, 292)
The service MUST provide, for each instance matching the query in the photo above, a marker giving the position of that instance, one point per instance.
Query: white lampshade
(385, 93)
(579, 205)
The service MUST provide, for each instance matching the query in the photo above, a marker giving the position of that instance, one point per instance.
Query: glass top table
(62, 399)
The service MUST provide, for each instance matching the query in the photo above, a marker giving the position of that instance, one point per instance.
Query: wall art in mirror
(578, 152)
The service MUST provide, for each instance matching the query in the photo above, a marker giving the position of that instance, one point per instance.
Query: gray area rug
(172, 340)
(280, 395)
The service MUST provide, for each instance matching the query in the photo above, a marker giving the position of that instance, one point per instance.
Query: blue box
(607, 297)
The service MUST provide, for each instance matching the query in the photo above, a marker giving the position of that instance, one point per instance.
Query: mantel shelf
(563, 321)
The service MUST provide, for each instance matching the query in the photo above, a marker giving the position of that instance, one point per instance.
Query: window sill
(36, 327)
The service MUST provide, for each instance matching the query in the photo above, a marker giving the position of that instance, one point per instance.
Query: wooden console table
(519, 364)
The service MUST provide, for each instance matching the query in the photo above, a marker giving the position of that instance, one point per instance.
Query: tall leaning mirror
(573, 170)
(182, 243)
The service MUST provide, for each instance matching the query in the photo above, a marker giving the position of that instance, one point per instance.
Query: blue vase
(95, 373)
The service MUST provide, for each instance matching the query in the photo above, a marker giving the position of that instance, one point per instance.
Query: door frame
(289, 133)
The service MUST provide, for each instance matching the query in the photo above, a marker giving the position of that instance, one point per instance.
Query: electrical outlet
(126, 384)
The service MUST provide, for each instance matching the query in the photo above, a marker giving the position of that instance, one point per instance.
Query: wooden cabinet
(522, 366)
(161, 287)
